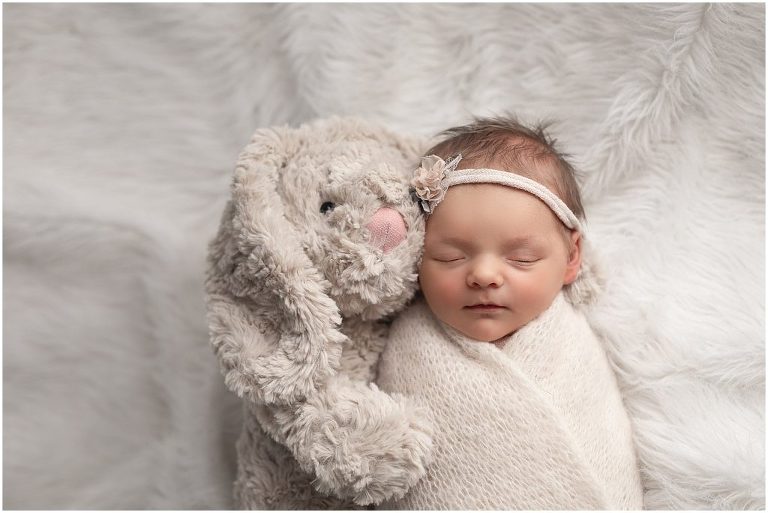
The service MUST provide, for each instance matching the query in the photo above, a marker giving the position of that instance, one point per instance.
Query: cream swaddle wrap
(538, 424)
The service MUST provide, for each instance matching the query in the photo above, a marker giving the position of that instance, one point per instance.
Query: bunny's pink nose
(387, 229)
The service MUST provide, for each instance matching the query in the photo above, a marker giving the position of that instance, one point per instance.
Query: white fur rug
(122, 125)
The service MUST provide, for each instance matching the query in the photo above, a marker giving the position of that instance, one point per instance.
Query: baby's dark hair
(506, 144)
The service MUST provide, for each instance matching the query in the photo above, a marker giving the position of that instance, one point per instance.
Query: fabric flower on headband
(429, 178)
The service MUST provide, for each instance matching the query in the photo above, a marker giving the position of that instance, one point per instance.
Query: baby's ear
(587, 281)
(574, 258)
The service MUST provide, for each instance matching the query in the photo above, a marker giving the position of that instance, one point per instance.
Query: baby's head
(500, 243)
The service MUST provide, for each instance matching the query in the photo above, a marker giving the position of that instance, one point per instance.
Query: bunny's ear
(272, 326)
(588, 285)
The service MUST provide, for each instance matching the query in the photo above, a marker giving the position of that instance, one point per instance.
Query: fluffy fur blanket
(537, 425)
(122, 125)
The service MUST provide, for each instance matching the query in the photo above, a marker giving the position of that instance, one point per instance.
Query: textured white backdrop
(122, 124)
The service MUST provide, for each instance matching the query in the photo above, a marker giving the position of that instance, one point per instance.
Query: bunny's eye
(327, 207)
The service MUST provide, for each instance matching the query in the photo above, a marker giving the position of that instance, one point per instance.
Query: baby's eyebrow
(521, 242)
(515, 242)
(453, 241)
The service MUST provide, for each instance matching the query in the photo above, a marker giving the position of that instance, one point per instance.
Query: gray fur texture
(298, 301)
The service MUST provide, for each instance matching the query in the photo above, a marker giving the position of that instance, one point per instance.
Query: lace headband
(434, 176)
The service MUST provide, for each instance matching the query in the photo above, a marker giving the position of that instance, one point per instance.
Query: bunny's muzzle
(387, 229)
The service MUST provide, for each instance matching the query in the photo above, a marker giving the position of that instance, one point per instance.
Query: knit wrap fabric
(538, 424)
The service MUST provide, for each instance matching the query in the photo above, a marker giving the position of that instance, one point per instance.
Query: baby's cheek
(538, 291)
(441, 283)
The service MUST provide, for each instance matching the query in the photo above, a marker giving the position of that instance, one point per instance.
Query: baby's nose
(485, 273)
(387, 229)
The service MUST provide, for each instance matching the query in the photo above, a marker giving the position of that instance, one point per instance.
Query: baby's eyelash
(448, 259)
(520, 261)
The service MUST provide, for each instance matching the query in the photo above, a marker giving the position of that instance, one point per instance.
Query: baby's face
(489, 244)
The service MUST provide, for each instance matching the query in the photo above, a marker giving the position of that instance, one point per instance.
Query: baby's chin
(488, 336)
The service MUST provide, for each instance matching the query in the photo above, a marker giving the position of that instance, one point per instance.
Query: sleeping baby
(526, 408)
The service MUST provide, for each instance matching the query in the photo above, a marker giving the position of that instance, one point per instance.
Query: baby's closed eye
(526, 258)
(448, 258)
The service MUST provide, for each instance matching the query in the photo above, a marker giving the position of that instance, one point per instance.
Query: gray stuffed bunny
(317, 246)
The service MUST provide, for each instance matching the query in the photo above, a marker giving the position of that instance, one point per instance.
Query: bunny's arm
(359, 442)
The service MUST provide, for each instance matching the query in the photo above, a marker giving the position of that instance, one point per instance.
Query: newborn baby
(526, 409)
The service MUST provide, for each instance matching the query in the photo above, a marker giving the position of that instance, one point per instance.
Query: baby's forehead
(475, 205)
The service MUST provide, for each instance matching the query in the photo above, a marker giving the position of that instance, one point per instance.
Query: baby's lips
(387, 229)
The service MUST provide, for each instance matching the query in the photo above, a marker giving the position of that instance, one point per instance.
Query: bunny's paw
(364, 444)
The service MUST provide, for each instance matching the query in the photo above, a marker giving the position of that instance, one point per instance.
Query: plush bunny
(317, 247)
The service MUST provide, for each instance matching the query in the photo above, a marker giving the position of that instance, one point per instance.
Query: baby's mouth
(485, 307)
